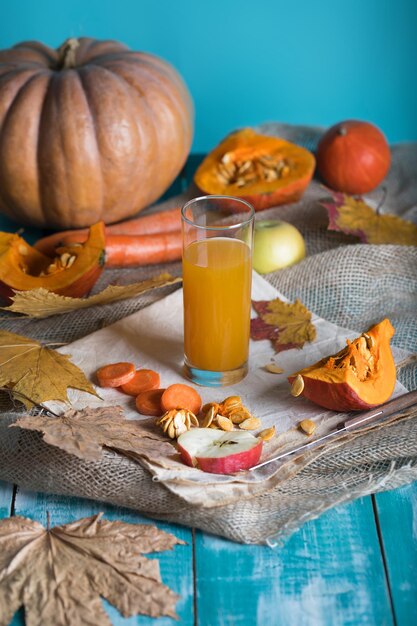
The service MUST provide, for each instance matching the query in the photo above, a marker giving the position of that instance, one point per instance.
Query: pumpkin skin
(92, 131)
(333, 384)
(21, 266)
(353, 157)
(247, 145)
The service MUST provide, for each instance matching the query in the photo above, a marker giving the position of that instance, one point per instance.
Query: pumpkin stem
(342, 130)
(66, 54)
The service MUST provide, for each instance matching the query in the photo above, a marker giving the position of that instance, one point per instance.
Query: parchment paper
(153, 338)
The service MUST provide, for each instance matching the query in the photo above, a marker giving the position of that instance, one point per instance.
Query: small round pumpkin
(92, 131)
(353, 157)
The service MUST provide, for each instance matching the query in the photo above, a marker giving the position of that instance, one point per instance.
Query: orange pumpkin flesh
(265, 171)
(360, 376)
(23, 267)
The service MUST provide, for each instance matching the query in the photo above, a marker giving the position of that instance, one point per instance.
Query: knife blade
(381, 413)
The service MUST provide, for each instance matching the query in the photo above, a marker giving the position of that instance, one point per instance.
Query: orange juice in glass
(217, 270)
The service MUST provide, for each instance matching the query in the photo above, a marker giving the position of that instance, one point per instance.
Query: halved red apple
(219, 452)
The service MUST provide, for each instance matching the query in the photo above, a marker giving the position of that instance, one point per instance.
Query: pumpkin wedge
(265, 171)
(360, 376)
(72, 272)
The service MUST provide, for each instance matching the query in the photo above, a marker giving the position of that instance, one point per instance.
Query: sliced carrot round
(143, 380)
(181, 396)
(149, 402)
(115, 374)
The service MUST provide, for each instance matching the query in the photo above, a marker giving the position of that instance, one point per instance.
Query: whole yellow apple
(276, 245)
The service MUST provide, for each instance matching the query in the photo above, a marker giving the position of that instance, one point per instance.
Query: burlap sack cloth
(350, 284)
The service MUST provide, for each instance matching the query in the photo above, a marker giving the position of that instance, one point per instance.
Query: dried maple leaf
(42, 303)
(58, 575)
(353, 216)
(36, 371)
(85, 432)
(286, 325)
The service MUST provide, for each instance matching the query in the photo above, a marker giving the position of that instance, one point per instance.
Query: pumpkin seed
(179, 420)
(231, 402)
(266, 160)
(239, 415)
(171, 430)
(224, 423)
(71, 260)
(207, 406)
(193, 420)
(308, 426)
(246, 165)
(64, 258)
(252, 423)
(370, 341)
(209, 417)
(227, 157)
(182, 428)
(273, 368)
(298, 386)
(267, 434)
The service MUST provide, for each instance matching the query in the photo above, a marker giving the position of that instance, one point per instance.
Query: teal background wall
(250, 61)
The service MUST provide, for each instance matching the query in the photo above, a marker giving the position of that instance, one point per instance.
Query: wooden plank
(397, 516)
(6, 497)
(330, 572)
(176, 565)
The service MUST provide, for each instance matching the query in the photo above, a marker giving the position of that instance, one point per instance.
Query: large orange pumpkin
(91, 131)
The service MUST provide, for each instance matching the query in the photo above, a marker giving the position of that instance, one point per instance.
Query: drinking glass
(217, 276)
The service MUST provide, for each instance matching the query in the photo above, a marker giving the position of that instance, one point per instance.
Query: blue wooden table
(356, 565)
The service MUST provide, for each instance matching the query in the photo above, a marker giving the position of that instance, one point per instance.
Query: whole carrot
(160, 222)
(129, 250)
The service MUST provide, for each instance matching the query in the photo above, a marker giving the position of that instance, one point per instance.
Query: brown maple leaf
(84, 433)
(352, 216)
(286, 325)
(37, 372)
(58, 575)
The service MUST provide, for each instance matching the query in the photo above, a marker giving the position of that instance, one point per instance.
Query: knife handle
(385, 410)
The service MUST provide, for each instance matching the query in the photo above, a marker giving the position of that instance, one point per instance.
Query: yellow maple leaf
(35, 373)
(353, 216)
(43, 303)
(287, 325)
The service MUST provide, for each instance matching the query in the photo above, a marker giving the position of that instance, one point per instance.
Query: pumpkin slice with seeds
(72, 272)
(360, 376)
(265, 171)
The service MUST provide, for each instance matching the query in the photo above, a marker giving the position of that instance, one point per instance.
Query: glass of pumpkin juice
(217, 276)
